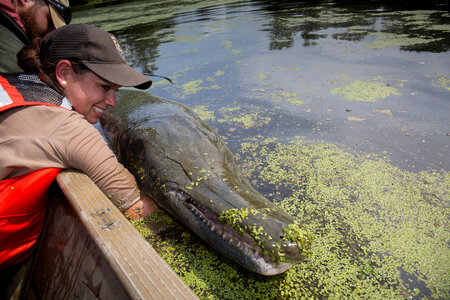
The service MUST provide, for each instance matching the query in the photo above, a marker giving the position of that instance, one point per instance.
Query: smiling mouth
(99, 110)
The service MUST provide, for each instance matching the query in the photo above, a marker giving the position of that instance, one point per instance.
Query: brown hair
(29, 58)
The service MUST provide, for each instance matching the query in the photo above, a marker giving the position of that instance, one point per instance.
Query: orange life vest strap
(23, 201)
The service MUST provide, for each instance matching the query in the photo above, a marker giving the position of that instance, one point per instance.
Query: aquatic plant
(442, 81)
(237, 115)
(365, 91)
(203, 112)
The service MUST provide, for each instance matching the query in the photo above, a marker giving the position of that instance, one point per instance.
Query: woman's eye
(106, 88)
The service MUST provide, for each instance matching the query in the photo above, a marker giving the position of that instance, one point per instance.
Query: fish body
(188, 170)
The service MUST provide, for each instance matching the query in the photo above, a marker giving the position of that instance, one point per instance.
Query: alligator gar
(179, 161)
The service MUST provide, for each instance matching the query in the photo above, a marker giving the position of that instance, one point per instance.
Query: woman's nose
(111, 99)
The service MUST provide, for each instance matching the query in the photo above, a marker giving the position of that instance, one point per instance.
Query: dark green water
(339, 112)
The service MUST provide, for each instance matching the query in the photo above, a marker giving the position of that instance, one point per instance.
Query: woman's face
(89, 94)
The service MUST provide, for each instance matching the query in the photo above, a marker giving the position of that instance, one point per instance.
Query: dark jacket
(12, 39)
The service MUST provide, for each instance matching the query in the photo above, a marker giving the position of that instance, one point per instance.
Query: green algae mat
(379, 232)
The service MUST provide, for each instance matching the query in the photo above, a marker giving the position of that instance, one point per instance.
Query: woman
(44, 127)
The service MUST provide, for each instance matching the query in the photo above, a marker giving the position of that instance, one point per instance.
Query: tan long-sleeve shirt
(37, 137)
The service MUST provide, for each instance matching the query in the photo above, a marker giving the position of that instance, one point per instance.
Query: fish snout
(289, 252)
(295, 244)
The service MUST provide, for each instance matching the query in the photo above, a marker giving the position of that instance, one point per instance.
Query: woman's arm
(83, 148)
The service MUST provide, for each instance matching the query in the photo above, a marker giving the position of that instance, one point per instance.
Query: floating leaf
(383, 111)
(355, 119)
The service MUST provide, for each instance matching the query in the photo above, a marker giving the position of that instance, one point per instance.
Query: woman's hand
(142, 208)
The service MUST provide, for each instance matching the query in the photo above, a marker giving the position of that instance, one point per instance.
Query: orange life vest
(23, 199)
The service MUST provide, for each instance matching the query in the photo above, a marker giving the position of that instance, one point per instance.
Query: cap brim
(57, 19)
(120, 74)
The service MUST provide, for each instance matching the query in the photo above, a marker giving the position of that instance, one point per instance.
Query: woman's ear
(63, 73)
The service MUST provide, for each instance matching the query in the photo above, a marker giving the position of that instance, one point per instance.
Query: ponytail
(29, 58)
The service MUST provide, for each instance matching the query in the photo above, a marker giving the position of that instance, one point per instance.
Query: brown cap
(60, 12)
(98, 50)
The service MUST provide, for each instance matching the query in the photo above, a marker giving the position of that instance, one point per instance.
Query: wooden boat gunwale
(90, 250)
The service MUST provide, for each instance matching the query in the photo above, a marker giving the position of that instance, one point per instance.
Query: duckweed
(263, 76)
(203, 112)
(442, 82)
(227, 44)
(236, 217)
(219, 73)
(372, 221)
(365, 91)
(234, 114)
(291, 97)
(246, 120)
(193, 87)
